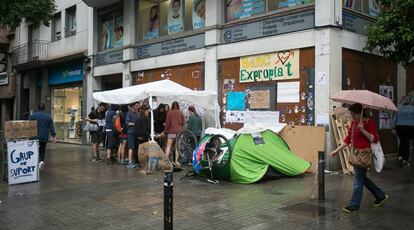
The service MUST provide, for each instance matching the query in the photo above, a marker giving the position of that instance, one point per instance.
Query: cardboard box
(20, 129)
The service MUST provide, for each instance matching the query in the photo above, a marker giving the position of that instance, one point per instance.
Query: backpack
(117, 121)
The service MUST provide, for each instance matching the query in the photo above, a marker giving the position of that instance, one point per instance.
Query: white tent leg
(152, 118)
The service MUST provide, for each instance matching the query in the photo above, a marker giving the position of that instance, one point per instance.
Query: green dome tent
(246, 158)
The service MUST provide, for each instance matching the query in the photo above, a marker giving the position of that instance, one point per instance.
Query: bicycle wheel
(213, 155)
(185, 144)
(216, 147)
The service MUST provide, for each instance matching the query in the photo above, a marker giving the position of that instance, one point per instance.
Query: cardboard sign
(305, 141)
(260, 99)
(152, 159)
(20, 129)
(22, 157)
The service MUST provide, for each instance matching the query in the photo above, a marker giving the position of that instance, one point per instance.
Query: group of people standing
(126, 127)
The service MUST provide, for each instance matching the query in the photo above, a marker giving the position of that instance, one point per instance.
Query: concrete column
(401, 82)
(126, 74)
(19, 86)
(130, 22)
(32, 92)
(129, 39)
(45, 92)
(328, 64)
(212, 39)
(91, 84)
(92, 31)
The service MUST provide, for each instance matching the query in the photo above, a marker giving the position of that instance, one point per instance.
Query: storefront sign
(354, 23)
(66, 73)
(282, 65)
(170, 47)
(4, 78)
(269, 27)
(22, 159)
(109, 58)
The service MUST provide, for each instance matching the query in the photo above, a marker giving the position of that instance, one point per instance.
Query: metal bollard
(321, 175)
(168, 200)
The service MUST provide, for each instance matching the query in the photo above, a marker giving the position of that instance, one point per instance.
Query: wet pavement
(74, 193)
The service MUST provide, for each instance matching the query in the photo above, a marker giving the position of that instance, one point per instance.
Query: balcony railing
(30, 52)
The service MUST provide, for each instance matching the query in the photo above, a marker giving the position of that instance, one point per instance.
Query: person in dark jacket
(130, 119)
(159, 118)
(404, 128)
(44, 125)
(143, 126)
(111, 138)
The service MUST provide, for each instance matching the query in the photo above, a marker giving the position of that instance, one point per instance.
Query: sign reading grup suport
(283, 65)
(22, 157)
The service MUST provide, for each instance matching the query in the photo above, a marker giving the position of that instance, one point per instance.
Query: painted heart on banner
(283, 56)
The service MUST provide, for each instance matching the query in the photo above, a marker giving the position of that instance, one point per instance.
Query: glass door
(67, 113)
(58, 112)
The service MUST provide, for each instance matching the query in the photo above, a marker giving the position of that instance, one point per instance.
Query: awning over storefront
(99, 3)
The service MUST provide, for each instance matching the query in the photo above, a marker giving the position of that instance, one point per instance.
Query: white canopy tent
(165, 91)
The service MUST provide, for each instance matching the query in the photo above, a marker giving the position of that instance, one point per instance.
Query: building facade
(49, 68)
(283, 58)
(280, 56)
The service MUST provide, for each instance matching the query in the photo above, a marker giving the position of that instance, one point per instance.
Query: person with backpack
(111, 136)
(123, 136)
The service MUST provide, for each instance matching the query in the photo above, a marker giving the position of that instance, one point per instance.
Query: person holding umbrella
(362, 132)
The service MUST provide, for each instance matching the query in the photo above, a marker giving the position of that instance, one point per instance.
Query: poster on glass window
(153, 26)
(238, 9)
(175, 17)
(199, 16)
(118, 33)
(106, 33)
(112, 31)
(386, 120)
(374, 9)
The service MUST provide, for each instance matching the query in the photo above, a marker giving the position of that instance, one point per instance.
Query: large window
(166, 17)
(111, 30)
(238, 9)
(56, 27)
(369, 7)
(70, 21)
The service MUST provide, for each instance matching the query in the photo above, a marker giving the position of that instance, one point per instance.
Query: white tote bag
(378, 155)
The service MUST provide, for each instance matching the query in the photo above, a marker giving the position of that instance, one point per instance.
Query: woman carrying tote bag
(362, 132)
